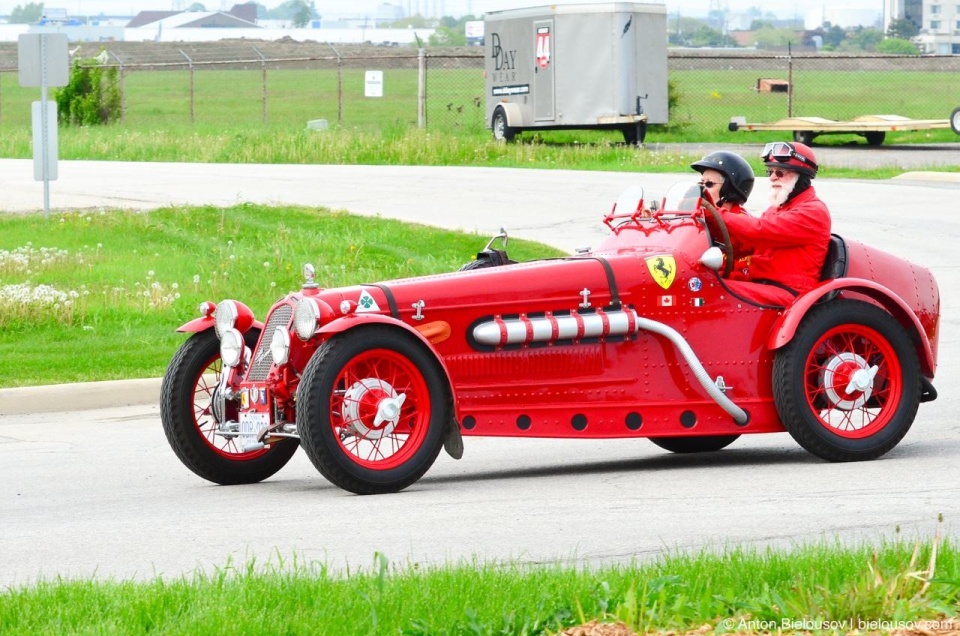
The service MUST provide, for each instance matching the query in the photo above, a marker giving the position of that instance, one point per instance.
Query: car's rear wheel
(847, 386)
(702, 444)
(191, 420)
(372, 407)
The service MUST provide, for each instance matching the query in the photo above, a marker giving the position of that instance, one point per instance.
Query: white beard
(781, 190)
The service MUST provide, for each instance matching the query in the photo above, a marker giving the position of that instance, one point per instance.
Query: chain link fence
(226, 84)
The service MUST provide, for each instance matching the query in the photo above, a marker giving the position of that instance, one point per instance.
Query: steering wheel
(726, 245)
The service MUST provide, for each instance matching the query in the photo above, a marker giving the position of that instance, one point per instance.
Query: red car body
(638, 338)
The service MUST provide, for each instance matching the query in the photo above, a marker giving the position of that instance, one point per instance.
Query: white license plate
(252, 422)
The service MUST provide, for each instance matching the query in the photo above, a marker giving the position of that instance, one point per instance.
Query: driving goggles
(782, 151)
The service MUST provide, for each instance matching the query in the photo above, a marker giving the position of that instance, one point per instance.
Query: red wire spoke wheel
(847, 386)
(372, 406)
(191, 416)
(384, 409)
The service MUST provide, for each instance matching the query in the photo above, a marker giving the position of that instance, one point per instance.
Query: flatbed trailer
(872, 127)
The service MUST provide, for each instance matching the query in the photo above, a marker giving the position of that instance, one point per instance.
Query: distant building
(57, 17)
(235, 18)
(939, 23)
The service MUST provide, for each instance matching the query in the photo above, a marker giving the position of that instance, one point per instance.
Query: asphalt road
(99, 493)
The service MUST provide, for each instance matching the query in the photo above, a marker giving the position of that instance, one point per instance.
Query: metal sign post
(43, 61)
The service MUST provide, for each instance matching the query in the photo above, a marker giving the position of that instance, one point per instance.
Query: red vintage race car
(641, 337)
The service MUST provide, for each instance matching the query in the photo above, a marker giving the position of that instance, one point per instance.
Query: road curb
(81, 396)
(939, 177)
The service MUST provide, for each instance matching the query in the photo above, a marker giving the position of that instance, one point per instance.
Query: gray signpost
(43, 61)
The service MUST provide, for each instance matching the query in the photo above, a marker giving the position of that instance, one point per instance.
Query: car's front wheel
(372, 407)
(191, 417)
(847, 386)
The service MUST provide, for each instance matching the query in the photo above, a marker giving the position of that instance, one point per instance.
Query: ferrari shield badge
(663, 269)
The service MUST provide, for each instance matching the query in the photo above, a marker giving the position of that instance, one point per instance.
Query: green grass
(738, 590)
(98, 295)
(238, 119)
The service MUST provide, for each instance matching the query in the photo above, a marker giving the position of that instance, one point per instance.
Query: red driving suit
(785, 246)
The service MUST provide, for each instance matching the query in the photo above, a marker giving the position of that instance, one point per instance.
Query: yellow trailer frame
(872, 127)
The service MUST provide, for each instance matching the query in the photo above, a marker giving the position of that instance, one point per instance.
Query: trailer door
(544, 90)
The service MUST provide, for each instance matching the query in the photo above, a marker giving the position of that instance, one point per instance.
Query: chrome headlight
(280, 346)
(231, 347)
(225, 317)
(306, 317)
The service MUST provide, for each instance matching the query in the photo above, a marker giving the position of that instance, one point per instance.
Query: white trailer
(576, 67)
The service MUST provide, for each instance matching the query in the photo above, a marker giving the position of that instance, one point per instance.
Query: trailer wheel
(804, 137)
(501, 130)
(955, 120)
(875, 137)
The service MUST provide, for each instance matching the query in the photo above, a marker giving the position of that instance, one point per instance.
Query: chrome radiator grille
(262, 357)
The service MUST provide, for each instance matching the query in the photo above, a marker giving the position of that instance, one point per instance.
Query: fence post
(789, 81)
(123, 88)
(263, 86)
(192, 118)
(339, 84)
(421, 88)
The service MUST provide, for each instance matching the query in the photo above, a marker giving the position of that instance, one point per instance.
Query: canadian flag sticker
(665, 301)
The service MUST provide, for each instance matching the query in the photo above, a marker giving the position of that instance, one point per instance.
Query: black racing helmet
(738, 183)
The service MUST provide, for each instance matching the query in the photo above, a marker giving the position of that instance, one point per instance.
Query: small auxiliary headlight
(306, 317)
(280, 346)
(231, 347)
(225, 317)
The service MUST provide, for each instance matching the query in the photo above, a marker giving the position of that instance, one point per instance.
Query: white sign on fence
(373, 86)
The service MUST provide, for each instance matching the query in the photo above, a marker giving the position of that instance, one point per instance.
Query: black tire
(875, 137)
(814, 373)
(955, 120)
(803, 137)
(704, 444)
(501, 130)
(190, 425)
(349, 372)
(635, 134)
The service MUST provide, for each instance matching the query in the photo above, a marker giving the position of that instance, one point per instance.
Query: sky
(782, 8)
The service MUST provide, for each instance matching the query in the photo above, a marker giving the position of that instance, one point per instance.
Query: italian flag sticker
(698, 302)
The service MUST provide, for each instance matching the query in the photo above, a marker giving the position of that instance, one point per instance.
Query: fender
(513, 113)
(355, 320)
(206, 322)
(786, 326)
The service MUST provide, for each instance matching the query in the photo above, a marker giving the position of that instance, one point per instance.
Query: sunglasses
(782, 151)
(709, 184)
(774, 171)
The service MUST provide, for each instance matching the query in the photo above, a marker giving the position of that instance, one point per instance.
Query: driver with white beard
(787, 244)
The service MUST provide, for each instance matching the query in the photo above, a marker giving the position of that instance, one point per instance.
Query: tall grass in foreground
(740, 590)
(96, 294)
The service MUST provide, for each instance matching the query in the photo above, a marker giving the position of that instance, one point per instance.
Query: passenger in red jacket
(787, 244)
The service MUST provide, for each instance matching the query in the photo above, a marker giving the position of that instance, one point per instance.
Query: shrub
(91, 96)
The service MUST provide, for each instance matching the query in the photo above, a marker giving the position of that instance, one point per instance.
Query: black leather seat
(834, 264)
